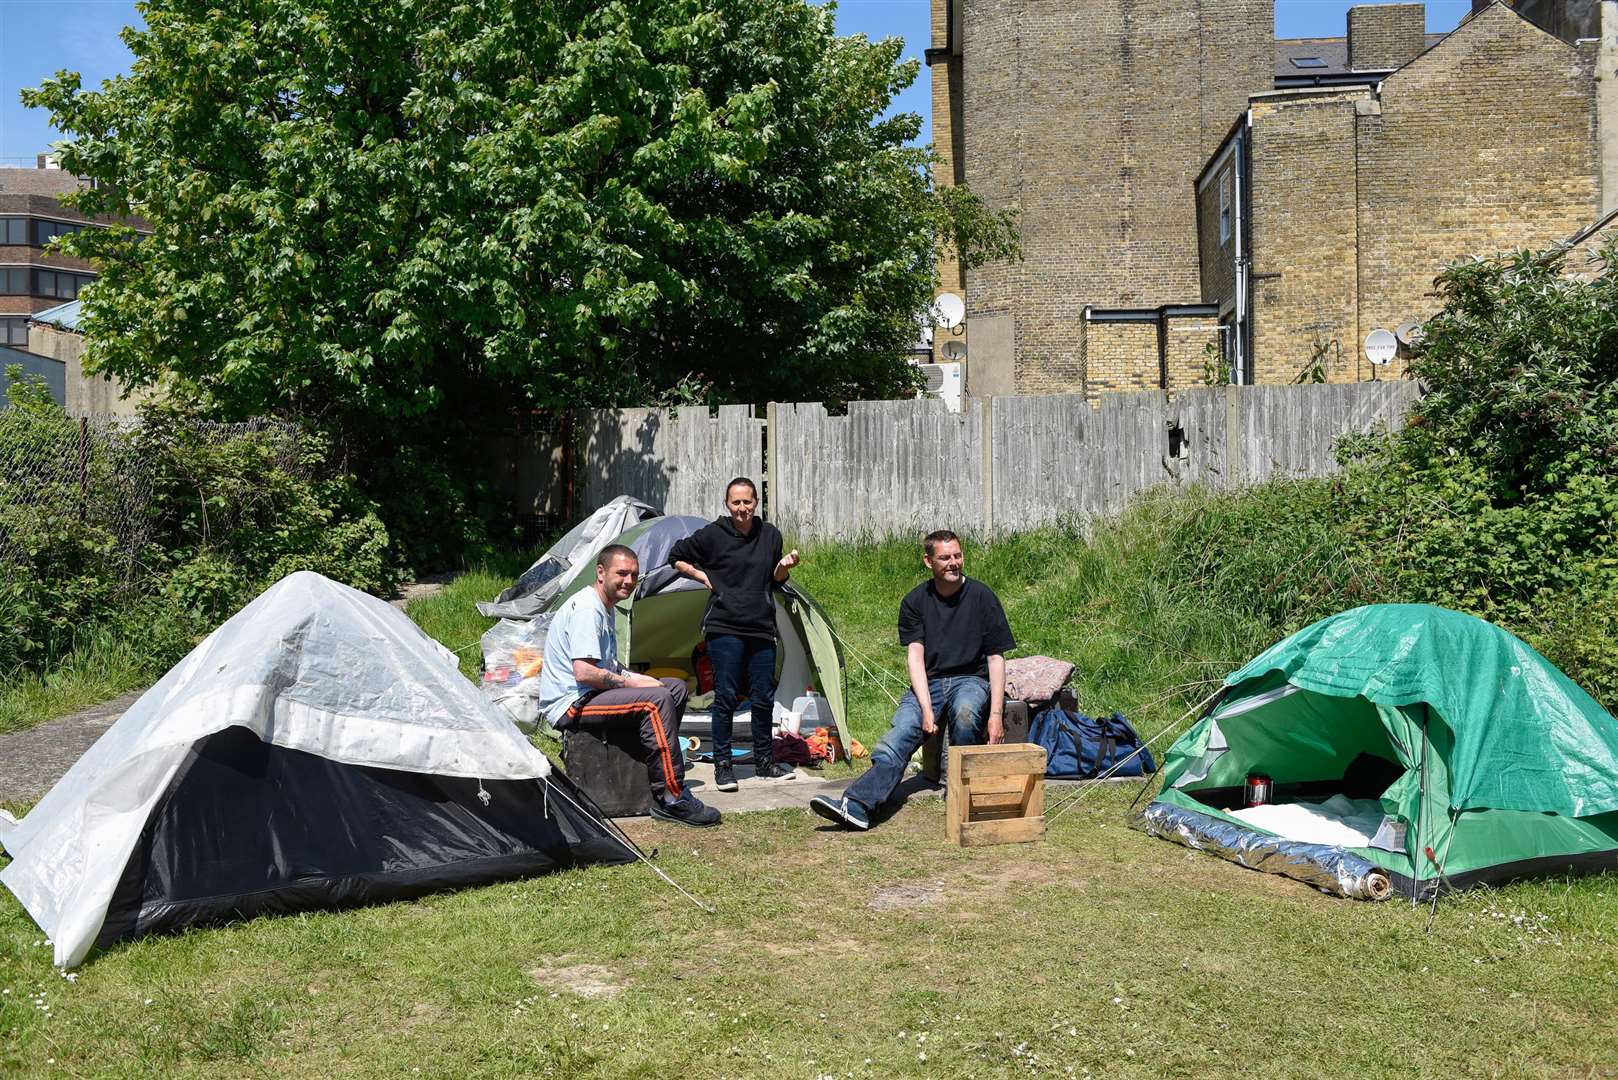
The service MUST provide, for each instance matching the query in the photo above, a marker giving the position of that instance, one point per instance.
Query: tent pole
(618, 834)
(1421, 808)
(1454, 819)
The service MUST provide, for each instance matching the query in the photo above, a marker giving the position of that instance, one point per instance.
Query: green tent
(1484, 762)
(660, 625)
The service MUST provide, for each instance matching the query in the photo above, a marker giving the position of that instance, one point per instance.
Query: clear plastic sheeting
(513, 652)
(1330, 869)
(310, 665)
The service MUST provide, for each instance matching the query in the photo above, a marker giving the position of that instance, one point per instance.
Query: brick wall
(1484, 144)
(1217, 253)
(1193, 345)
(945, 75)
(1304, 222)
(1120, 356)
(1385, 35)
(38, 182)
(1093, 118)
(1124, 355)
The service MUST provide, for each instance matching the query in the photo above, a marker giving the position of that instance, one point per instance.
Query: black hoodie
(742, 572)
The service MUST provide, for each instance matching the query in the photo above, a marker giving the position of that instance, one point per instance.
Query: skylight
(1308, 62)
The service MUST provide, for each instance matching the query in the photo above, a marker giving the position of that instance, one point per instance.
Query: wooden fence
(999, 465)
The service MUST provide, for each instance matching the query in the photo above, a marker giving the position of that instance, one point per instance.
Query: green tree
(400, 217)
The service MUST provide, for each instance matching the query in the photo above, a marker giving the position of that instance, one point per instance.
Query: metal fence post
(84, 463)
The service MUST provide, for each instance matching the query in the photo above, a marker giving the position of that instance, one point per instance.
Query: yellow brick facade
(1484, 144)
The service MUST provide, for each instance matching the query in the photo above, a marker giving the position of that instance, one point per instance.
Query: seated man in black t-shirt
(955, 636)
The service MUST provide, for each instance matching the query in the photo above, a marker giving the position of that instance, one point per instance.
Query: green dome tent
(660, 625)
(1473, 758)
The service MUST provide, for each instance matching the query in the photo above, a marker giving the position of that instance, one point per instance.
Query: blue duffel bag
(1083, 747)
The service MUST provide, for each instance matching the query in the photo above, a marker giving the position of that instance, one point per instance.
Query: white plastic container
(811, 713)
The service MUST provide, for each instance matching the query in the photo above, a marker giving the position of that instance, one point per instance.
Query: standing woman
(738, 558)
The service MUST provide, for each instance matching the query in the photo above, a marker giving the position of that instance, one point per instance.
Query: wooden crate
(995, 794)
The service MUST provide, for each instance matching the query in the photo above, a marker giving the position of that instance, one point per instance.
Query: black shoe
(769, 770)
(686, 811)
(845, 812)
(724, 776)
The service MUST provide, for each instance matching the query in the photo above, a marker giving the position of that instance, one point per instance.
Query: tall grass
(1154, 607)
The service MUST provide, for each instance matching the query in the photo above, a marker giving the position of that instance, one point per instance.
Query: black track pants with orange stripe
(658, 712)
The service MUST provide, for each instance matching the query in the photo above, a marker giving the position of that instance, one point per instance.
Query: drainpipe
(1241, 332)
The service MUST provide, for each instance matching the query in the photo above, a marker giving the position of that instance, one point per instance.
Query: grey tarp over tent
(555, 570)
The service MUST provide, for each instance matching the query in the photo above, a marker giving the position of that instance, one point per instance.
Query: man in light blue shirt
(582, 684)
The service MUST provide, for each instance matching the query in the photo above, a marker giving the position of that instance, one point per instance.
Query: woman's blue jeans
(737, 662)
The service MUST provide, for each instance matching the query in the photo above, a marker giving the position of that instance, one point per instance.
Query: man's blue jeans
(960, 706)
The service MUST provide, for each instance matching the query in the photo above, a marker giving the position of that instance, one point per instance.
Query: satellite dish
(954, 350)
(949, 310)
(1380, 346)
(1409, 333)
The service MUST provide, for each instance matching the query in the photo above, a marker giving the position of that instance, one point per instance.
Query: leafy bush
(166, 527)
(1500, 496)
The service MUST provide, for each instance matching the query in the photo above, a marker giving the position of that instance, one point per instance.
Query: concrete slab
(32, 761)
(755, 794)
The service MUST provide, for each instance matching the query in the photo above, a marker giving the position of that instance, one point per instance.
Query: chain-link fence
(103, 478)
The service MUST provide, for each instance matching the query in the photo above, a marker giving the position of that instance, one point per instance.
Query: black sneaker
(686, 811)
(845, 812)
(724, 776)
(770, 770)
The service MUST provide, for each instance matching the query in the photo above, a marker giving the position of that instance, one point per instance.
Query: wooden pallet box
(995, 794)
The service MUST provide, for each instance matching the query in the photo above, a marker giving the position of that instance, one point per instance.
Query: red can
(1259, 789)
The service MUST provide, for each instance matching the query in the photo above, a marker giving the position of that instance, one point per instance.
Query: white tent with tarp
(316, 750)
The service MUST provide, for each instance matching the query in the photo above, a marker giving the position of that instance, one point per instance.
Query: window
(1308, 62)
(14, 281)
(46, 231)
(1224, 207)
(14, 330)
(14, 231)
(60, 284)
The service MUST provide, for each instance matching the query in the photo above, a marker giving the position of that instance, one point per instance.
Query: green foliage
(397, 216)
(166, 529)
(1500, 496)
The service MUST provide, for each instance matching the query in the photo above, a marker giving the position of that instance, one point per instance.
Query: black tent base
(1580, 865)
(247, 829)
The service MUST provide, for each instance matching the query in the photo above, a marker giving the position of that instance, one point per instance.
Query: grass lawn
(1096, 952)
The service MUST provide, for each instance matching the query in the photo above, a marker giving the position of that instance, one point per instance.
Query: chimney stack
(1385, 36)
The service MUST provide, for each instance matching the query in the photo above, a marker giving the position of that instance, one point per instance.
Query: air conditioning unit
(943, 381)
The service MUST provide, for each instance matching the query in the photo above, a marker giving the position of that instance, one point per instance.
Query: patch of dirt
(422, 1013)
(906, 896)
(429, 585)
(585, 980)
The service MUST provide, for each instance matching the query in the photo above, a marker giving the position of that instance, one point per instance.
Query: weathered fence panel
(1001, 464)
(1290, 431)
(886, 467)
(675, 459)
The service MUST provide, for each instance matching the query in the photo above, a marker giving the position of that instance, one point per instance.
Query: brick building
(1329, 209)
(1197, 197)
(31, 278)
(1092, 118)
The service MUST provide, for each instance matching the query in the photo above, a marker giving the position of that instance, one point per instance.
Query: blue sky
(41, 37)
